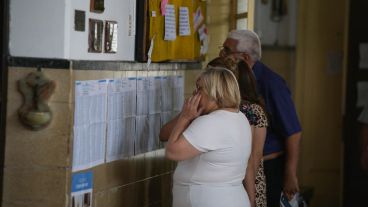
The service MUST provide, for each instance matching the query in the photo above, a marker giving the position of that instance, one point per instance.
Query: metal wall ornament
(95, 35)
(111, 36)
(36, 89)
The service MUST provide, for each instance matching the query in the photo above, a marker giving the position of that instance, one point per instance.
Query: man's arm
(292, 156)
(167, 129)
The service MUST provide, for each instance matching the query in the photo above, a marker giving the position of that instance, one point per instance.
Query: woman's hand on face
(191, 108)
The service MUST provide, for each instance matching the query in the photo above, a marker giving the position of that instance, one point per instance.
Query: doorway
(355, 179)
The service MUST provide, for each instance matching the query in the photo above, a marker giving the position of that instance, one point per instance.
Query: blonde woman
(211, 140)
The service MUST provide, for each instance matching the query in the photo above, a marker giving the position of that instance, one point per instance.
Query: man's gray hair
(248, 41)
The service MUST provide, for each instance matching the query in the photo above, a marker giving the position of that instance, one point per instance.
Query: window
(241, 14)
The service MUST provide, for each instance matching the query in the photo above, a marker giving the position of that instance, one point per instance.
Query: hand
(291, 186)
(190, 109)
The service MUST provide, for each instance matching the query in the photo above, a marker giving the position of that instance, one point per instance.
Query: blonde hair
(220, 85)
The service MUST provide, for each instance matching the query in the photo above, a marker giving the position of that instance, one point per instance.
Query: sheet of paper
(202, 31)
(166, 93)
(121, 120)
(163, 7)
(154, 95)
(120, 139)
(149, 53)
(204, 47)
(184, 24)
(142, 130)
(362, 91)
(363, 59)
(170, 22)
(154, 121)
(197, 18)
(178, 99)
(81, 189)
(129, 97)
(142, 96)
(89, 124)
(203, 37)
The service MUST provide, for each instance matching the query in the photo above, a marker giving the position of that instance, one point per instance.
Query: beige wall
(318, 97)
(37, 169)
(36, 163)
(282, 61)
(218, 25)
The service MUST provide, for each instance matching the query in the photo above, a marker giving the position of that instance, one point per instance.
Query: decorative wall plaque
(79, 20)
(36, 89)
(97, 6)
(111, 36)
(95, 35)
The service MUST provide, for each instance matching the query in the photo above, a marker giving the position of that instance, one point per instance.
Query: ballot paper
(89, 124)
(121, 118)
(178, 90)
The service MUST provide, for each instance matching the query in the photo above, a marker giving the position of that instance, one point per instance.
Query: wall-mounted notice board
(171, 30)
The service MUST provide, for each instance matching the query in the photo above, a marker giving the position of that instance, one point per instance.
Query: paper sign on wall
(184, 25)
(170, 23)
(198, 18)
(89, 124)
(82, 184)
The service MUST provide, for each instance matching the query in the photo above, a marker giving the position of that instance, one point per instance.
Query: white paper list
(120, 139)
(166, 93)
(178, 98)
(154, 122)
(142, 96)
(148, 129)
(142, 129)
(154, 95)
(184, 25)
(89, 124)
(121, 118)
(170, 22)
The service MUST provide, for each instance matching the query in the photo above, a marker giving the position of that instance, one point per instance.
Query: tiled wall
(36, 166)
(37, 170)
(282, 61)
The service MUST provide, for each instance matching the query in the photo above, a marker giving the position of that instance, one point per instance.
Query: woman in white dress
(211, 140)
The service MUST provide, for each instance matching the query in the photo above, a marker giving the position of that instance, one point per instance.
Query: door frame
(4, 40)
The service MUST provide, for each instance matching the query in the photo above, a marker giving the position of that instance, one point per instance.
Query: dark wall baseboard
(99, 65)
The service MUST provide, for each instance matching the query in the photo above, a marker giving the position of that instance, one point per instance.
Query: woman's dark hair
(245, 77)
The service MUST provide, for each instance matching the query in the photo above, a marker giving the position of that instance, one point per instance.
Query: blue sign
(82, 181)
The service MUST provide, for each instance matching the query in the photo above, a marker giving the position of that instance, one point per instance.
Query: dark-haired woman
(252, 106)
